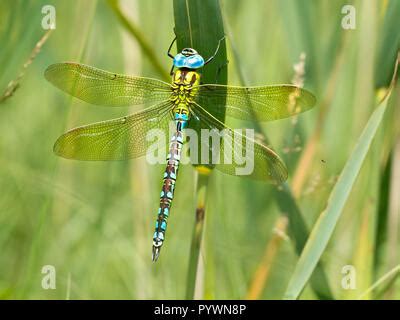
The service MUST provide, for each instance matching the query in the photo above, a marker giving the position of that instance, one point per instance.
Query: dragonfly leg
(216, 51)
(170, 48)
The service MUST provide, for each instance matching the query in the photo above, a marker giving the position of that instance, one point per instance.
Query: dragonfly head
(188, 58)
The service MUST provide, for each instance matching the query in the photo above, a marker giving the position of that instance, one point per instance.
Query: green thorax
(185, 86)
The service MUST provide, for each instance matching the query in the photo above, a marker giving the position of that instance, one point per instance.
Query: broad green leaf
(199, 25)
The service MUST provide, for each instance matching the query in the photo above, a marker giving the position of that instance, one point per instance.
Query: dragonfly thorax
(186, 77)
(184, 88)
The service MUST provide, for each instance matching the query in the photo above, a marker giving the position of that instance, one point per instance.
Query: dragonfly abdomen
(168, 187)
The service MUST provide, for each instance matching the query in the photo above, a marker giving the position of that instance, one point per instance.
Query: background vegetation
(94, 221)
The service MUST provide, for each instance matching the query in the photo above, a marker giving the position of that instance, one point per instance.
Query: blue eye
(195, 62)
(192, 62)
(180, 60)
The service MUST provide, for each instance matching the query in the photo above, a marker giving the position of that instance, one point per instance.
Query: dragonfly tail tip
(155, 253)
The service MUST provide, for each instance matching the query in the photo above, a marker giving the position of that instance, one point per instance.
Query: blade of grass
(201, 192)
(394, 211)
(141, 39)
(13, 85)
(382, 219)
(299, 232)
(392, 274)
(285, 198)
(262, 273)
(389, 44)
(327, 221)
(307, 156)
(298, 18)
(198, 24)
(27, 280)
(387, 288)
(363, 257)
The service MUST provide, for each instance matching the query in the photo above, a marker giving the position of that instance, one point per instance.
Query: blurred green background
(93, 221)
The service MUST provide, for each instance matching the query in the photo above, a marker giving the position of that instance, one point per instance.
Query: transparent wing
(267, 103)
(101, 87)
(267, 166)
(116, 139)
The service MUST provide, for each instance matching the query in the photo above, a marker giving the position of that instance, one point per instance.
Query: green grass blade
(327, 221)
(202, 184)
(141, 39)
(392, 274)
(285, 199)
(36, 246)
(299, 231)
(14, 84)
(382, 219)
(389, 44)
(199, 25)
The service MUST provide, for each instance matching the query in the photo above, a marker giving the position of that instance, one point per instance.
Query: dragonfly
(183, 102)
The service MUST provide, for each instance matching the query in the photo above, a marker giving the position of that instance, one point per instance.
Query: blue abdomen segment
(181, 116)
(192, 62)
(168, 187)
(182, 120)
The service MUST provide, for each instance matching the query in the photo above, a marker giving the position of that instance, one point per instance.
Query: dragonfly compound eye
(180, 60)
(195, 61)
(192, 62)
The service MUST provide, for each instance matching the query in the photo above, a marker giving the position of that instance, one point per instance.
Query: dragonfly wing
(101, 87)
(263, 162)
(264, 103)
(116, 139)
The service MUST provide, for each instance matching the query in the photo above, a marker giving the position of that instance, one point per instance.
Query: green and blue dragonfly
(181, 101)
